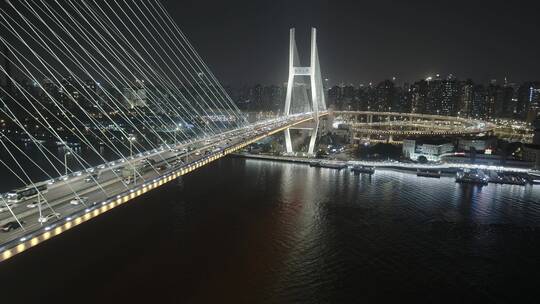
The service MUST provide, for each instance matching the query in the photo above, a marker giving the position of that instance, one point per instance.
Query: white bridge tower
(297, 89)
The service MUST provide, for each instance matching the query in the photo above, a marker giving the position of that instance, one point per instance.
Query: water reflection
(269, 232)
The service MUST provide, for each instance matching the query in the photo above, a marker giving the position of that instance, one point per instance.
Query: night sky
(246, 42)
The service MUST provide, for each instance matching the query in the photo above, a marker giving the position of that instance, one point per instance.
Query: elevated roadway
(111, 189)
(395, 124)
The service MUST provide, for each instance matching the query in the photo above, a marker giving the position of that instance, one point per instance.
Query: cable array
(89, 82)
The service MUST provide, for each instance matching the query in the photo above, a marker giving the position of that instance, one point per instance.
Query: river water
(250, 231)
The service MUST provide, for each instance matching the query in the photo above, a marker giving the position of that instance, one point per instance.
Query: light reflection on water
(269, 232)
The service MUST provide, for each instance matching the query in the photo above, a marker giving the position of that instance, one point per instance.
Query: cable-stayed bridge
(106, 100)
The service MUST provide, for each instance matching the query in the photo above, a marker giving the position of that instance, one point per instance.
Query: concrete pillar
(312, 141)
(288, 142)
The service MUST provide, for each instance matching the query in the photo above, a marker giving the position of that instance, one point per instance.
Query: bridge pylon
(297, 91)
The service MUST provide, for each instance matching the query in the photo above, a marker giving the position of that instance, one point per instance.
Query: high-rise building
(419, 94)
(449, 96)
(435, 89)
(493, 101)
(523, 100)
(349, 96)
(478, 106)
(404, 99)
(534, 102)
(370, 94)
(508, 101)
(335, 95)
(536, 134)
(386, 94)
(464, 108)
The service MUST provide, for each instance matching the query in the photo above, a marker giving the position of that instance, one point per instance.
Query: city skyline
(435, 95)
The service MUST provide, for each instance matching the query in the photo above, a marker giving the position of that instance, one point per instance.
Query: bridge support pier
(288, 142)
(313, 133)
(313, 71)
(311, 149)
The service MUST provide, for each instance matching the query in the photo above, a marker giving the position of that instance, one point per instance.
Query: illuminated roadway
(113, 191)
(411, 124)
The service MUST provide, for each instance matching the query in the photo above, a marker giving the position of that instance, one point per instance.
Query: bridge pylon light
(297, 90)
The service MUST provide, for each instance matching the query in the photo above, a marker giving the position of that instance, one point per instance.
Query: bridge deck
(116, 194)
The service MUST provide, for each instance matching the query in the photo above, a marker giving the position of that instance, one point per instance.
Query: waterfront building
(430, 148)
(488, 143)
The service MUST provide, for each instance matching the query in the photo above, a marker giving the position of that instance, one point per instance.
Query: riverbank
(340, 163)
(447, 169)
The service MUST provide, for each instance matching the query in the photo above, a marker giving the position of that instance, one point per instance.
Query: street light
(131, 139)
(176, 133)
(65, 161)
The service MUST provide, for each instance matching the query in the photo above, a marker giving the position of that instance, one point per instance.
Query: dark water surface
(245, 231)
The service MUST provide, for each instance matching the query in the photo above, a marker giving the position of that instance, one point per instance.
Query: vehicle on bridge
(26, 193)
(78, 200)
(46, 218)
(163, 167)
(33, 204)
(11, 226)
(92, 177)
